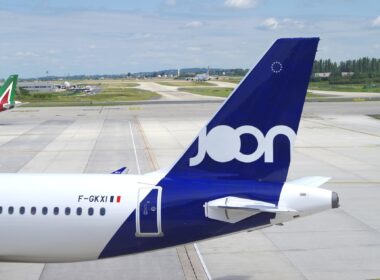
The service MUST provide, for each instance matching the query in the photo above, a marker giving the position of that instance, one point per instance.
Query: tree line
(365, 70)
(361, 65)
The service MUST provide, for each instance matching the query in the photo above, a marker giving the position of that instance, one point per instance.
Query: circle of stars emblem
(276, 67)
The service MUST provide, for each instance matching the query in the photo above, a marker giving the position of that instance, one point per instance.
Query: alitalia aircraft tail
(7, 93)
(252, 134)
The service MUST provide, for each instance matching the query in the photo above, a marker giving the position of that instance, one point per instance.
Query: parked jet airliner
(7, 94)
(232, 178)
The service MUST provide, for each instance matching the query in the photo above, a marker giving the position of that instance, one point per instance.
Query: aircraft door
(148, 212)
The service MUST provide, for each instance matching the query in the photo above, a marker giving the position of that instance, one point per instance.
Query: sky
(70, 37)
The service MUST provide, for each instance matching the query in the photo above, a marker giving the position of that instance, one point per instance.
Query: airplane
(7, 93)
(232, 178)
(202, 77)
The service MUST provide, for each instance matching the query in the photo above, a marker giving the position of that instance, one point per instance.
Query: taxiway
(339, 140)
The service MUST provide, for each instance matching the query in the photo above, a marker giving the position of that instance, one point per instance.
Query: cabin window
(45, 210)
(102, 211)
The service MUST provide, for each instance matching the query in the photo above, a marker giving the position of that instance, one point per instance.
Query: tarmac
(339, 140)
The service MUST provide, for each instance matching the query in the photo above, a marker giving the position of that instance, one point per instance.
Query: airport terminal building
(38, 86)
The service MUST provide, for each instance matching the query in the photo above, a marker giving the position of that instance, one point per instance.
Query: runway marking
(152, 158)
(187, 267)
(134, 149)
(42, 271)
(188, 259)
(93, 147)
(202, 261)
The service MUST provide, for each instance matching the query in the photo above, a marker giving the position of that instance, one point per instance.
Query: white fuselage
(66, 218)
(52, 237)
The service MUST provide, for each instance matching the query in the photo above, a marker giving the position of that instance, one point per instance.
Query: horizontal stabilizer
(313, 182)
(234, 209)
(248, 204)
(8, 106)
(120, 171)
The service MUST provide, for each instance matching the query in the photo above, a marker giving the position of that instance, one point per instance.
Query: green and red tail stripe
(7, 93)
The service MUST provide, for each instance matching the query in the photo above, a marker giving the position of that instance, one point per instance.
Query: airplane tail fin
(252, 134)
(8, 90)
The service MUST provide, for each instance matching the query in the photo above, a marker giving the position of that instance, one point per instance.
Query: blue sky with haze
(119, 36)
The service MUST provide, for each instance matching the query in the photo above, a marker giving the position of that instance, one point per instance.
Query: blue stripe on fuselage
(183, 214)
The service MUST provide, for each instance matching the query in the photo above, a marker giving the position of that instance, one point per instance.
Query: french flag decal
(118, 198)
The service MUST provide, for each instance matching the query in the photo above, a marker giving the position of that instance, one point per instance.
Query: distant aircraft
(232, 178)
(7, 93)
(202, 77)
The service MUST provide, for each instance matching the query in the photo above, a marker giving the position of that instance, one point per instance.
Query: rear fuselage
(58, 218)
(65, 218)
